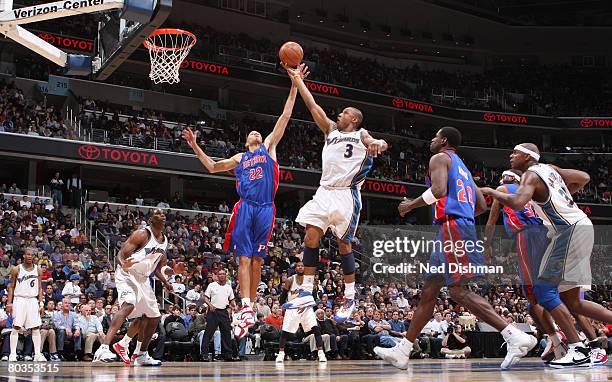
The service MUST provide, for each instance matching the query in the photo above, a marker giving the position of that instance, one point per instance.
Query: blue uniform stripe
(366, 166)
(553, 215)
(348, 235)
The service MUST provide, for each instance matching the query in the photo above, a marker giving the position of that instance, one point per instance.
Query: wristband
(428, 197)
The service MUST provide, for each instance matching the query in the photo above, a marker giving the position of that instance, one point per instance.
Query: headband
(532, 154)
(512, 175)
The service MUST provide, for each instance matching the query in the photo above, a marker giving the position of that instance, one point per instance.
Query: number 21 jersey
(461, 192)
(345, 160)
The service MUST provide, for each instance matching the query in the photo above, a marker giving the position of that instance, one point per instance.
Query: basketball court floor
(337, 371)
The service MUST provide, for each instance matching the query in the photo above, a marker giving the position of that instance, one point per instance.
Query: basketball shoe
(518, 345)
(304, 299)
(103, 354)
(122, 352)
(144, 359)
(246, 316)
(39, 358)
(598, 356)
(552, 352)
(345, 311)
(577, 356)
(280, 357)
(398, 356)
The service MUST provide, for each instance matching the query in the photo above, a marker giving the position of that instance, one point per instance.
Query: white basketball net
(167, 51)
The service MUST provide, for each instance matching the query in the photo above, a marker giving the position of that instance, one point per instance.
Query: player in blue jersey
(531, 241)
(456, 201)
(252, 220)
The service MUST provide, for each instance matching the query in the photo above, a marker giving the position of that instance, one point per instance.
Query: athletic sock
(246, 302)
(137, 348)
(556, 339)
(349, 290)
(405, 346)
(14, 340)
(125, 341)
(576, 345)
(308, 283)
(510, 331)
(36, 341)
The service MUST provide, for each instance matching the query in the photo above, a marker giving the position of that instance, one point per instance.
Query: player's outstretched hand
(404, 207)
(301, 71)
(189, 136)
(487, 190)
(375, 148)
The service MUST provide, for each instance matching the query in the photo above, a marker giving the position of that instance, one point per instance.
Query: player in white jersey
(294, 317)
(142, 254)
(565, 266)
(347, 157)
(25, 301)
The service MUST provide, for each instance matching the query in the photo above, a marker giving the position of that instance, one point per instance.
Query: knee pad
(311, 257)
(547, 295)
(348, 263)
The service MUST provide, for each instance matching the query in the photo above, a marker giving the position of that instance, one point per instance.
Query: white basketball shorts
(335, 208)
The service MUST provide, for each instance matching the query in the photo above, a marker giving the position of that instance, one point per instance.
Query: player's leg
(241, 244)
(104, 354)
(121, 347)
(14, 338)
(572, 299)
(399, 355)
(150, 325)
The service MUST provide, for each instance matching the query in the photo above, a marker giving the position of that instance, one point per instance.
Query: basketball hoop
(167, 50)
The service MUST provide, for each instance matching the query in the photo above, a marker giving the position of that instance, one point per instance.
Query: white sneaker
(598, 357)
(322, 357)
(103, 354)
(518, 346)
(39, 358)
(4, 358)
(345, 311)
(280, 357)
(144, 359)
(575, 357)
(12, 358)
(28, 358)
(398, 356)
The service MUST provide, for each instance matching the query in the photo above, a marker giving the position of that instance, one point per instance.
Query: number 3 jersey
(559, 209)
(345, 160)
(459, 201)
(257, 177)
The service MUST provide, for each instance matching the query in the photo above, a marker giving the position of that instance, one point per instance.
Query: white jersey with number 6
(27, 282)
(345, 160)
(559, 209)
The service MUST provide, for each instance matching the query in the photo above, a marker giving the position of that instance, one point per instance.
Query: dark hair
(452, 135)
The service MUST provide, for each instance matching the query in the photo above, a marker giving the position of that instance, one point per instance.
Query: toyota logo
(89, 152)
(586, 122)
(398, 102)
(47, 37)
(489, 117)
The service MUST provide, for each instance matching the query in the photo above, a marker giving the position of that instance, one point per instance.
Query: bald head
(356, 113)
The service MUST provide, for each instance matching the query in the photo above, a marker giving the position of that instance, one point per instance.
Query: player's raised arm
(208, 162)
(522, 196)
(297, 75)
(375, 146)
(575, 180)
(137, 240)
(277, 133)
(438, 173)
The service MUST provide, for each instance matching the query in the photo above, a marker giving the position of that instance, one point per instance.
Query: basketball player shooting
(456, 201)
(348, 155)
(252, 219)
(565, 267)
(25, 301)
(142, 254)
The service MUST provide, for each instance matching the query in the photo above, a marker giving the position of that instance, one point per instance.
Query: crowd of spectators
(80, 294)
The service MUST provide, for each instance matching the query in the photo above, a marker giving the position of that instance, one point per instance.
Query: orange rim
(169, 31)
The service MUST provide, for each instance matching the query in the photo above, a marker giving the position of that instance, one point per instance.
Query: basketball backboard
(119, 37)
(124, 25)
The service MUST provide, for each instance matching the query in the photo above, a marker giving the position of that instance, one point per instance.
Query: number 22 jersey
(257, 177)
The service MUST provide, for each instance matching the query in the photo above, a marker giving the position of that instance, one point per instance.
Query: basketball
(291, 53)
